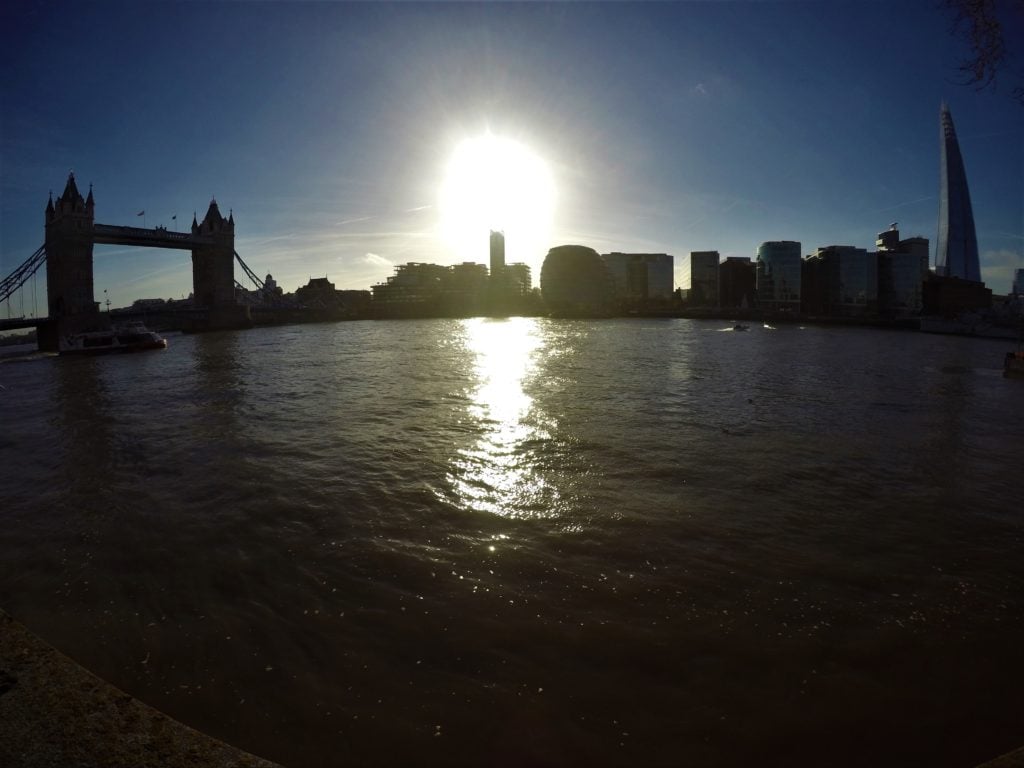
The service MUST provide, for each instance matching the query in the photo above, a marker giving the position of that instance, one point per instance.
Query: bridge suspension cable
(252, 275)
(20, 276)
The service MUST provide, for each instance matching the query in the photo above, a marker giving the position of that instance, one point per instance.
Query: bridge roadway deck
(108, 234)
(21, 322)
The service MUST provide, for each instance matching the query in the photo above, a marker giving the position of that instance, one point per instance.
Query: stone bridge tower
(213, 270)
(213, 260)
(69, 282)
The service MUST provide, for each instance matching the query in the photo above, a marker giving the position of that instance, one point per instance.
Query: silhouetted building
(902, 270)
(640, 279)
(815, 278)
(950, 296)
(956, 253)
(737, 283)
(432, 290)
(271, 294)
(840, 281)
(318, 292)
(145, 305)
(497, 253)
(415, 286)
(704, 279)
(518, 279)
(271, 291)
(574, 282)
(778, 276)
(463, 289)
(1018, 282)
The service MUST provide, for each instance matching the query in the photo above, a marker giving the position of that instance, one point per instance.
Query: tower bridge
(71, 233)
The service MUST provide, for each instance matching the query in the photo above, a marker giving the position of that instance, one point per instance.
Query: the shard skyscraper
(957, 253)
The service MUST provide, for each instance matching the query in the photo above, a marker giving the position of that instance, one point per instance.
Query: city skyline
(326, 129)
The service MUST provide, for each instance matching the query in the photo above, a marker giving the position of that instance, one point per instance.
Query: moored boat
(1013, 364)
(131, 337)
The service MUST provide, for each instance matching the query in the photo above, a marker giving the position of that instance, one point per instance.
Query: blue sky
(325, 127)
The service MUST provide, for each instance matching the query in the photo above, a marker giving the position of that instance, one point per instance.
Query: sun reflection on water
(499, 473)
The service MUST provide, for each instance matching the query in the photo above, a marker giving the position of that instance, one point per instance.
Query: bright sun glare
(493, 183)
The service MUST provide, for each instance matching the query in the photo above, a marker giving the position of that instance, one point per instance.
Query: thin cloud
(376, 260)
(924, 199)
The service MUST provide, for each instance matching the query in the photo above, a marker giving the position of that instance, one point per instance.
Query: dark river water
(534, 542)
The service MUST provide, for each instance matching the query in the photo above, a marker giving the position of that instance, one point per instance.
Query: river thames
(534, 542)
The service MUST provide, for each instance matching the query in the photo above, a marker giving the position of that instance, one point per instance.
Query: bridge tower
(69, 281)
(213, 270)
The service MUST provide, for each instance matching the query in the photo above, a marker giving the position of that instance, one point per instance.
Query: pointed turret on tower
(213, 221)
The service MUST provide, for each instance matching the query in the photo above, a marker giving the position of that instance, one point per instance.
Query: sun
(495, 183)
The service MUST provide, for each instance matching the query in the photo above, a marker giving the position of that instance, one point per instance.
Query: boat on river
(1013, 365)
(130, 337)
(740, 327)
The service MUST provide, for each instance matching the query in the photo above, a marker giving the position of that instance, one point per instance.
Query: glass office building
(641, 278)
(778, 276)
(841, 281)
(704, 278)
(956, 254)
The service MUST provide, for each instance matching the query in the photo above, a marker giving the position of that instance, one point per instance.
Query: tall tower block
(957, 252)
(497, 253)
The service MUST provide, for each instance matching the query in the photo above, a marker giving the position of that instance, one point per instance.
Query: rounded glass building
(575, 282)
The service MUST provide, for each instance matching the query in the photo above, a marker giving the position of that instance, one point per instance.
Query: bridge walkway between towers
(107, 234)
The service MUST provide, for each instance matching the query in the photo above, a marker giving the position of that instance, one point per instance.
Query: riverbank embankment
(54, 712)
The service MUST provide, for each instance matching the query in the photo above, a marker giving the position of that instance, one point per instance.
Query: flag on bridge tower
(174, 218)
(141, 213)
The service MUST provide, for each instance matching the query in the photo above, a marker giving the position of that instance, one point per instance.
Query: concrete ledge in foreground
(1013, 759)
(55, 713)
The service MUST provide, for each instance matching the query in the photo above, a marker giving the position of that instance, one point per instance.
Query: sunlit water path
(529, 541)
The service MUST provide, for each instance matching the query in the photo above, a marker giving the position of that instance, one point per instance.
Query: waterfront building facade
(465, 278)
(737, 283)
(902, 271)
(638, 279)
(956, 253)
(840, 281)
(318, 292)
(414, 286)
(778, 276)
(704, 279)
(518, 279)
